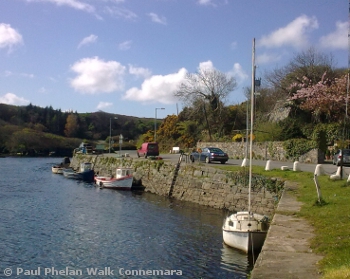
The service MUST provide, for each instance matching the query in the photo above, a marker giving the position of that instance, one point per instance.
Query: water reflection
(49, 220)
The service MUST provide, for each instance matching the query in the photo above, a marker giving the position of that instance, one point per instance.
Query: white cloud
(206, 2)
(238, 73)
(43, 90)
(27, 75)
(121, 13)
(208, 65)
(234, 45)
(125, 45)
(266, 58)
(338, 39)
(294, 34)
(88, 40)
(157, 19)
(70, 3)
(96, 76)
(12, 99)
(9, 37)
(114, 1)
(158, 88)
(9, 73)
(139, 71)
(103, 105)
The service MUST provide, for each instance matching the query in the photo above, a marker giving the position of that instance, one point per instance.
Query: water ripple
(50, 221)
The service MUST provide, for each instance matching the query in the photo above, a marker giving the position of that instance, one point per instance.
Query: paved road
(328, 167)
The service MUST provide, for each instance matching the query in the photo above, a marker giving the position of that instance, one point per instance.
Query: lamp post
(155, 124)
(110, 132)
(120, 144)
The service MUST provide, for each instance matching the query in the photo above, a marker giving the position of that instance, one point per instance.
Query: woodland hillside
(303, 104)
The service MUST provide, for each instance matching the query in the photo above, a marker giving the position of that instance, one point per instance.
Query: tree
(206, 90)
(310, 64)
(326, 99)
(72, 126)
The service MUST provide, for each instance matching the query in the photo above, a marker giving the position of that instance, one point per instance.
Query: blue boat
(85, 173)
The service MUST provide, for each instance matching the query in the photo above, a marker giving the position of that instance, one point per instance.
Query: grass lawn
(331, 218)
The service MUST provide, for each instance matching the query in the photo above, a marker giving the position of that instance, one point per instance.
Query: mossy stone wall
(204, 185)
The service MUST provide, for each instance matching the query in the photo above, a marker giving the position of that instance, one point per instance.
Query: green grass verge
(330, 219)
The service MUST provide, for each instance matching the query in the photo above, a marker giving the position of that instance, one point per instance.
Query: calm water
(50, 224)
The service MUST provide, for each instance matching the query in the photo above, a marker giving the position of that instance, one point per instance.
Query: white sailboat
(246, 230)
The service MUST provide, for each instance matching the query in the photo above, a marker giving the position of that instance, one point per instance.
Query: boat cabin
(123, 172)
(85, 167)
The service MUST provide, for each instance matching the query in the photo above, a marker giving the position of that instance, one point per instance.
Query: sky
(128, 57)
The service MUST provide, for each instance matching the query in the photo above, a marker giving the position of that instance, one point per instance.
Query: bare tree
(310, 64)
(208, 89)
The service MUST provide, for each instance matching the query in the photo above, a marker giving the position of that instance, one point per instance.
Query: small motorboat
(85, 173)
(58, 169)
(122, 180)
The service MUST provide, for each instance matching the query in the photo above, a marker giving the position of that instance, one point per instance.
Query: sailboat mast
(251, 126)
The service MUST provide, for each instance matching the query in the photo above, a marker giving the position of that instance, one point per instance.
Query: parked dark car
(345, 153)
(209, 154)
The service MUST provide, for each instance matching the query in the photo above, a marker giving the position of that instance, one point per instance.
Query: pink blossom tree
(325, 99)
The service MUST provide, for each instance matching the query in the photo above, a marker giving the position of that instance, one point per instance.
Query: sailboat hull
(245, 231)
(245, 241)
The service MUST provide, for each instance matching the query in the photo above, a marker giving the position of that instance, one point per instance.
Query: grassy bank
(331, 218)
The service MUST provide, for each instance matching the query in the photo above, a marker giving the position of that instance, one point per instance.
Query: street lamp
(110, 132)
(155, 124)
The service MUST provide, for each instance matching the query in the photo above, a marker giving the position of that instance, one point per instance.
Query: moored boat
(122, 181)
(58, 169)
(246, 230)
(85, 173)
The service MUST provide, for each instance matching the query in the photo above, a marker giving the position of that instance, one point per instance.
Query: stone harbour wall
(204, 185)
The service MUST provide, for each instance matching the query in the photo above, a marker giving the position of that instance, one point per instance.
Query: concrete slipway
(286, 253)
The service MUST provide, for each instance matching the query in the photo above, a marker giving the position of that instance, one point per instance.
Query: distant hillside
(35, 130)
(93, 126)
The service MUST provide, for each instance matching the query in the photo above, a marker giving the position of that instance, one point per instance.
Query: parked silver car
(345, 153)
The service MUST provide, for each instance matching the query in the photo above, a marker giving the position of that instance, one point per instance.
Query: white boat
(122, 180)
(58, 169)
(246, 230)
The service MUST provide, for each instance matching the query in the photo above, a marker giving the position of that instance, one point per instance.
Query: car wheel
(207, 160)
(192, 159)
(138, 155)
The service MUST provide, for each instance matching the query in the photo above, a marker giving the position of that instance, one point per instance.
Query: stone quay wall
(264, 151)
(200, 184)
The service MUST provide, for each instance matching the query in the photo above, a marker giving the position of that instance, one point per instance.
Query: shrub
(296, 147)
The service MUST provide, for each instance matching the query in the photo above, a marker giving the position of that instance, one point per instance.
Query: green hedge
(296, 147)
